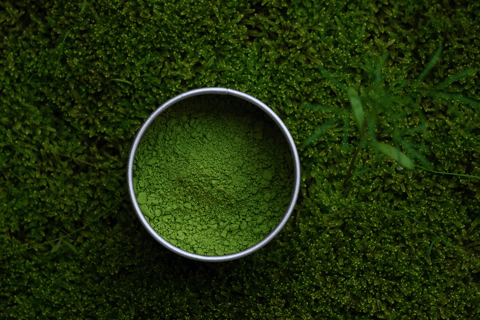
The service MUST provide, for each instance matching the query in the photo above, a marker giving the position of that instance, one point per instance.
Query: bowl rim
(273, 116)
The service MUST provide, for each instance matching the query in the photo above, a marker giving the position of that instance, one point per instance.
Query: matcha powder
(213, 175)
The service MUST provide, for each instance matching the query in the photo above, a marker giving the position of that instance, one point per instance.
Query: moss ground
(77, 80)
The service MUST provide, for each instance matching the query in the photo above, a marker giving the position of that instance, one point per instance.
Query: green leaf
(83, 6)
(431, 246)
(55, 247)
(395, 154)
(430, 65)
(120, 80)
(454, 78)
(460, 98)
(18, 300)
(356, 107)
(71, 247)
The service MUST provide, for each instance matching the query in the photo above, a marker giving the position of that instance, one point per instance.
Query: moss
(77, 79)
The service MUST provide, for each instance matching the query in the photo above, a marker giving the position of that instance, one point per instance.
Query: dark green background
(77, 80)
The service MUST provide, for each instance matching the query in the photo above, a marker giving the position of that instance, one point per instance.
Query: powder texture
(213, 175)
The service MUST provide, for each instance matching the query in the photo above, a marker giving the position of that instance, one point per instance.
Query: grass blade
(71, 247)
(452, 174)
(319, 132)
(356, 107)
(430, 65)
(395, 154)
(360, 172)
(455, 78)
(460, 98)
(331, 78)
(55, 247)
(431, 246)
(120, 80)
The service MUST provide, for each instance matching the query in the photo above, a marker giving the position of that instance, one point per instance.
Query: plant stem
(350, 168)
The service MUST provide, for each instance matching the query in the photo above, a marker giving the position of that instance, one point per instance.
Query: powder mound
(213, 176)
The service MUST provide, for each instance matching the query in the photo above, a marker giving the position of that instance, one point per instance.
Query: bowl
(213, 174)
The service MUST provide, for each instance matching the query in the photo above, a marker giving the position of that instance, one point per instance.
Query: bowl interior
(213, 175)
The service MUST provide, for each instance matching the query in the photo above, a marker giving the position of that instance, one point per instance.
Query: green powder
(213, 175)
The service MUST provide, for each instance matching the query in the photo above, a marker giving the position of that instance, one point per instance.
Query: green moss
(77, 80)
